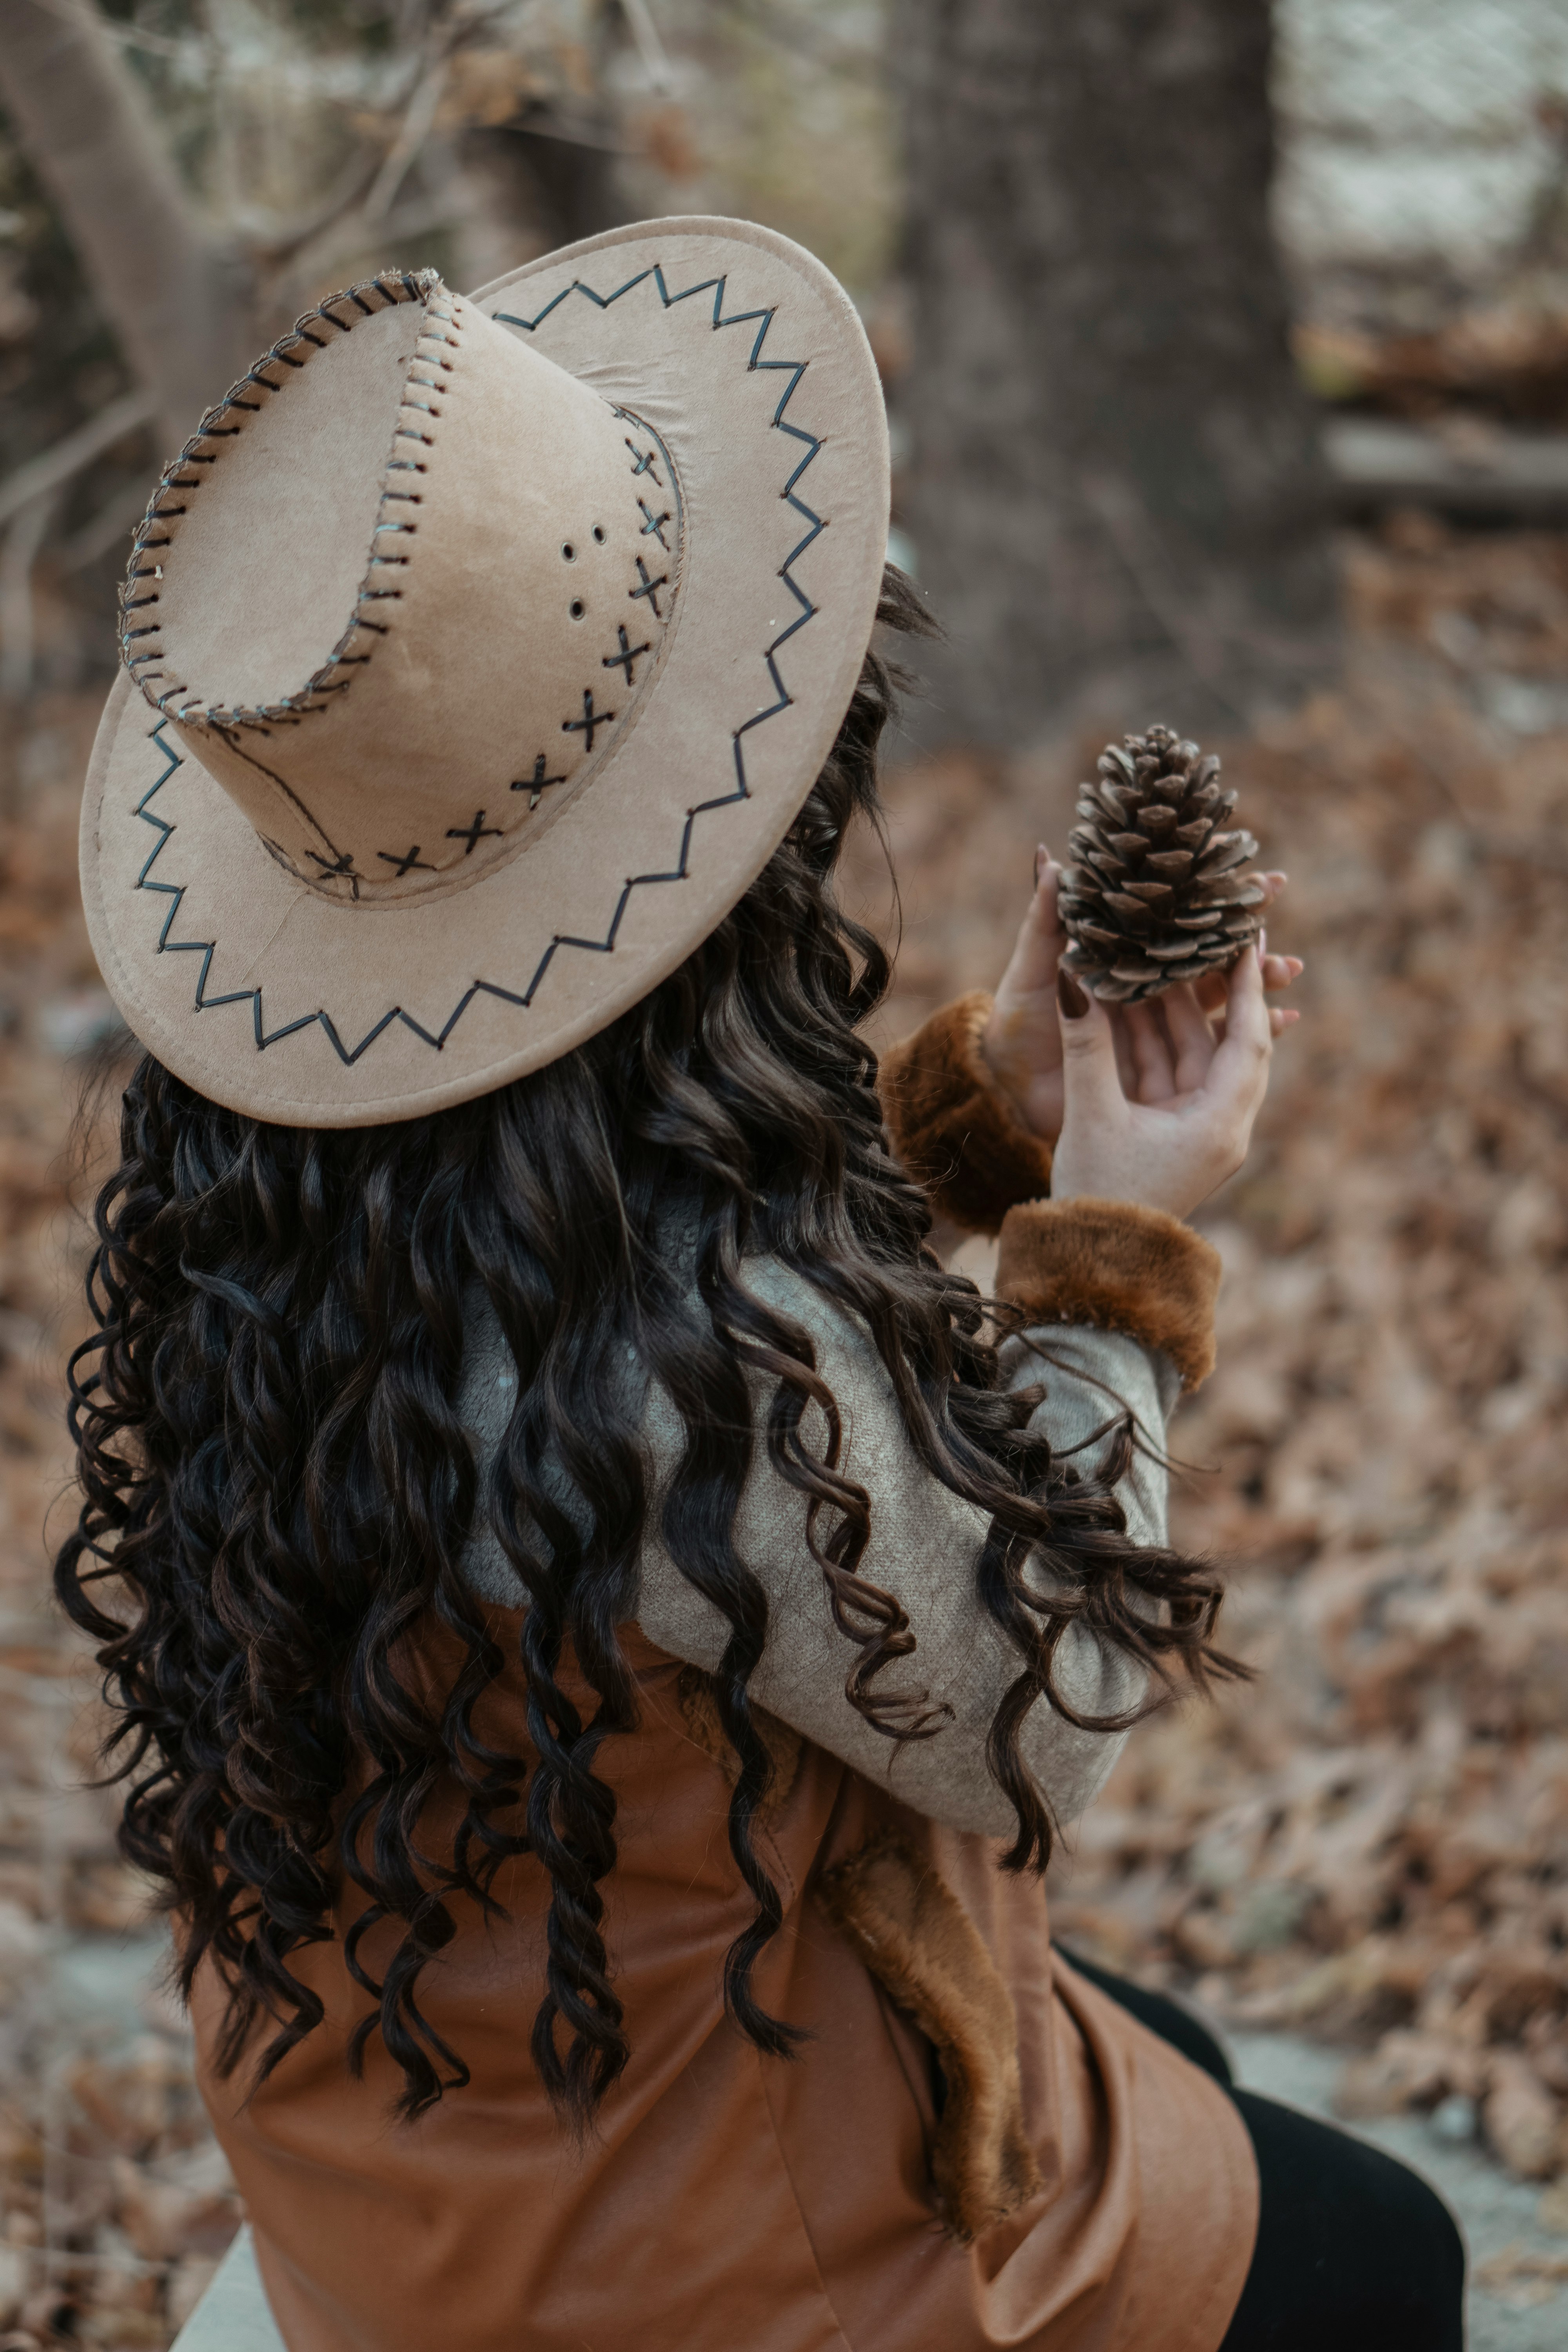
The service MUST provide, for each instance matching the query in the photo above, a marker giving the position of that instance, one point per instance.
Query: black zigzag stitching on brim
(350, 1053)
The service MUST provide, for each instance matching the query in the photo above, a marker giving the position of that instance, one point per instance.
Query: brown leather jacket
(974, 2149)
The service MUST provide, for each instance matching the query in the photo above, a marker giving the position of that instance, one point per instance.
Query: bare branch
(114, 520)
(56, 465)
(18, 553)
(650, 47)
(357, 216)
(346, 195)
(411, 137)
(177, 305)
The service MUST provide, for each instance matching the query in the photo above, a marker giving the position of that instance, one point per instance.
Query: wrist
(955, 1126)
(1129, 1192)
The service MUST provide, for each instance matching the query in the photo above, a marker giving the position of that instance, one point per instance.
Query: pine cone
(1157, 892)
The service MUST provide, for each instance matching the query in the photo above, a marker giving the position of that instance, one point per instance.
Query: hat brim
(747, 359)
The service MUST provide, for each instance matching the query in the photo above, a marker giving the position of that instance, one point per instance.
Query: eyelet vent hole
(577, 608)
(599, 532)
(569, 553)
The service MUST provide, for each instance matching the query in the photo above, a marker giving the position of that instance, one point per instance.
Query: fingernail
(1042, 859)
(1262, 943)
(1071, 996)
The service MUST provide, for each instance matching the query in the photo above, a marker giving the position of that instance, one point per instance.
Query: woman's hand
(1022, 1043)
(1189, 1124)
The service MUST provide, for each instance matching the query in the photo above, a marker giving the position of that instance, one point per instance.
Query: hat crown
(702, 391)
(402, 589)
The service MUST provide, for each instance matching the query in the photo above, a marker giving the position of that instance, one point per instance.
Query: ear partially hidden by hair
(1119, 1267)
(925, 1952)
(953, 1127)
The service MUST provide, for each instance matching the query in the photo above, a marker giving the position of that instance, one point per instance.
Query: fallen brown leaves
(1372, 1842)
(115, 2202)
(1509, 361)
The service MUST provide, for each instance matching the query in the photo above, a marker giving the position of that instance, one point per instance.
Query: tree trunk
(1116, 498)
(179, 307)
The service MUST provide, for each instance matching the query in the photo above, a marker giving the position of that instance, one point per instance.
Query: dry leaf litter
(116, 2202)
(1370, 1844)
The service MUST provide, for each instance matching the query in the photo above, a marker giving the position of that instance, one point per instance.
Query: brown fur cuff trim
(1120, 1267)
(925, 1951)
(953, 1127)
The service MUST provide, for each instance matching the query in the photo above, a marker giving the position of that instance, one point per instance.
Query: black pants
(1354, 2252)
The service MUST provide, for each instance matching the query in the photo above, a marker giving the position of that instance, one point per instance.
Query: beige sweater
(924, 1548)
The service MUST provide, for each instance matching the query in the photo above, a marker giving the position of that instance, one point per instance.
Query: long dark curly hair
(278, 1487)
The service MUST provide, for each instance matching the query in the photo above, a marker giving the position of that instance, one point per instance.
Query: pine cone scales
(1158, 892)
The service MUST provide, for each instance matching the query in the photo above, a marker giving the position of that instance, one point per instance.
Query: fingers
(1280, 1019)
(1278, 973)
(1238, 1075)
(1047, 904)
(1191, 1035)
(1121, 1039)
(1042, 921)
(1041, 940)
(1092, 1085)
(1155, 1077)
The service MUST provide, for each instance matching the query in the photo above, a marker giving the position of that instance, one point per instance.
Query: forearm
(1118, 1302)
(1096, 1383)
(925, 1550)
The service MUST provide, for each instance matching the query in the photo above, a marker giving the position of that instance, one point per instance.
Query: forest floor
(1366, 1848)
(1369, 1844)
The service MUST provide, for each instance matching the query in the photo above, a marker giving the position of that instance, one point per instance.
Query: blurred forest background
(1226, 357)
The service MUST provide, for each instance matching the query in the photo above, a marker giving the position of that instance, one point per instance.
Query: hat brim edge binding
(257, 1080)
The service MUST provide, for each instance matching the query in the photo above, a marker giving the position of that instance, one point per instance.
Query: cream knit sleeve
(924, 1548)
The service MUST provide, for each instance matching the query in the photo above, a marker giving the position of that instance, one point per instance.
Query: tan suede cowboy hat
(478, 651)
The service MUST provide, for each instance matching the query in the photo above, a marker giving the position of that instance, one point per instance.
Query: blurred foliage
(321, 140)
(775, 109)
(50, 329)
(790, 122)
(1370, 1841)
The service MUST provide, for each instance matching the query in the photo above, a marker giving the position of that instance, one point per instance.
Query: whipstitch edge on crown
(351, 651)
(816, 524)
